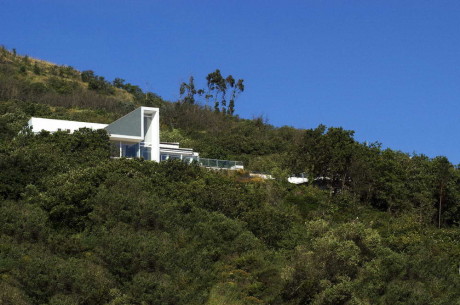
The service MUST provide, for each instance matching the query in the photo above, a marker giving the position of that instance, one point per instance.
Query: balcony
(220, 164)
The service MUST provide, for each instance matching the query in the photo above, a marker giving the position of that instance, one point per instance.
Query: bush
(62, 86)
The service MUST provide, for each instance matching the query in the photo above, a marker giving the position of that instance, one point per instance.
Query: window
(189, 159)
(115, 149)
(129, 150)
(147, 127)
(146, 153)
(174, 157)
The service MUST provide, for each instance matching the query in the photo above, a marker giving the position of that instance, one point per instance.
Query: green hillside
(77, 227)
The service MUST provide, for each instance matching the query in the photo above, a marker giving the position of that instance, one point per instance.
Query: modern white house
(135, 135)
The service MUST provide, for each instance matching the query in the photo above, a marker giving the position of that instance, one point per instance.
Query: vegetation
(217, 90)
(374, 226)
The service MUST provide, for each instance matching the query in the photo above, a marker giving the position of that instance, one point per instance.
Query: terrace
(220, 164)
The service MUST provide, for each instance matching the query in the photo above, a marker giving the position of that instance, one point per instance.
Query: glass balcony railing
(224, 164)
(129, 150)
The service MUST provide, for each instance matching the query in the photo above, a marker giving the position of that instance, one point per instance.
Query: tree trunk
(440, 206)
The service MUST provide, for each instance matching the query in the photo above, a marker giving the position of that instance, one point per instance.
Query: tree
(237, 88)
(442, 168)
(26, 60)
(98, 83)
(118, 82)
(325, 153)
(23, 69)
(36, 69)
(188, 91)
(87, 75)
(217, 87)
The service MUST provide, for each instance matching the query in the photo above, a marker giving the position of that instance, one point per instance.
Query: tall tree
(118, 82)
(217, 87)
(442, 171)
(237, 88)
(188, 91)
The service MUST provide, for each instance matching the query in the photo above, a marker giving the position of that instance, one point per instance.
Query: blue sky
(390, 70)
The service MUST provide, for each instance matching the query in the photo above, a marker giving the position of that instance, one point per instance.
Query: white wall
(153, 134)
(39, 124)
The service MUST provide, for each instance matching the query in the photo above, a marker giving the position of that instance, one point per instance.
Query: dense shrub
(76, 227)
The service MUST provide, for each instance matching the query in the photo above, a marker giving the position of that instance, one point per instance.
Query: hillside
(77, 227)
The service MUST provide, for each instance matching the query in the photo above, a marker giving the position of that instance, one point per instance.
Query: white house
(136, 134)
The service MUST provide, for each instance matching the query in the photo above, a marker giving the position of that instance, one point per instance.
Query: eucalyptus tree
(442, 170)
(217, 87)
(237, 88)
(188, 91)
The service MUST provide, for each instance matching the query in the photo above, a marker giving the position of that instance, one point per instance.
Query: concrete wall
(129, 128)
(152, 136)
(39, 124)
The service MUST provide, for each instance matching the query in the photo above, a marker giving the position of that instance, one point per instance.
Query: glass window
(147, 124)
(189, 159)
(146, 153)
(129, 150)
(115, 149)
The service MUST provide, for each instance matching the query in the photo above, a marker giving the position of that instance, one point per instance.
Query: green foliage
(76, 227)
(217, 89)
(23, 69)
(87, 75)
(62, 86)
(136, 91)
(188, 91)
(40, 88)
(96, 83)
(26, 60)
(174, 135)
(36, 69)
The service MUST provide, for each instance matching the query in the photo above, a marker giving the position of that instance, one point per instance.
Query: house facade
(134, 135)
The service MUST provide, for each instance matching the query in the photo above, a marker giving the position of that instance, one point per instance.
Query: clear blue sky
(390, 70)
